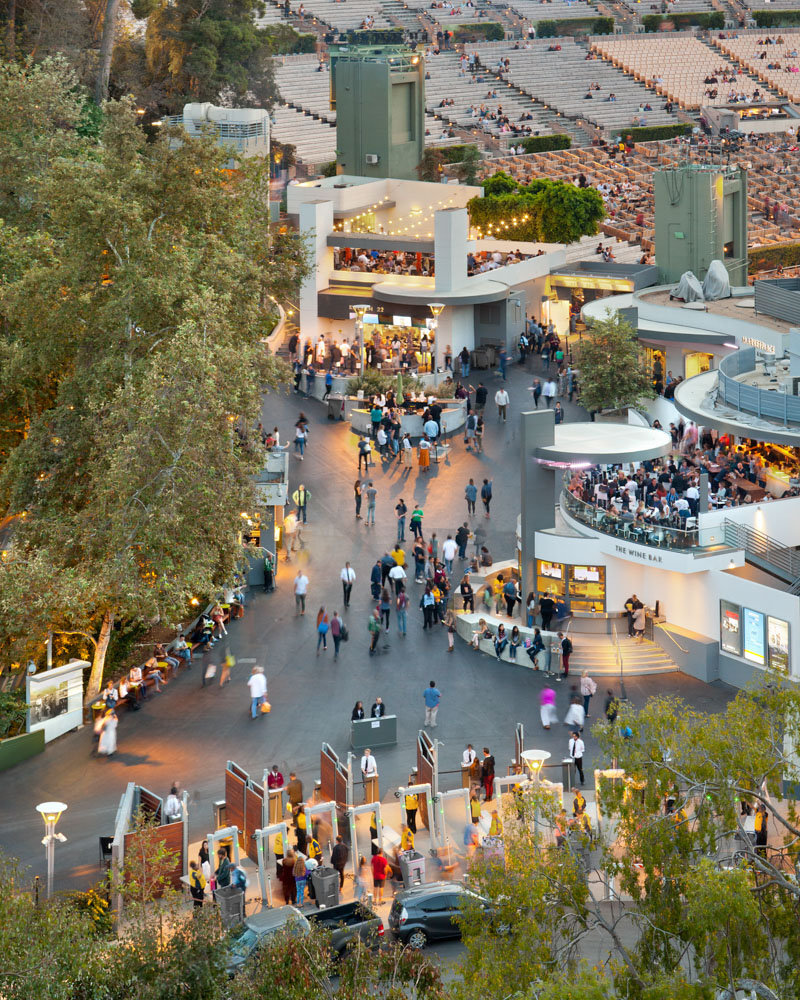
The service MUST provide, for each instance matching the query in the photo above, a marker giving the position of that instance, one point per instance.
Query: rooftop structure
(246, 130)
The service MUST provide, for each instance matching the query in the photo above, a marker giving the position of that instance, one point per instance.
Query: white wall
(316, 221)
(780, 519)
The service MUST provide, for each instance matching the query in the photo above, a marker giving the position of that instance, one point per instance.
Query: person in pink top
(547, 702)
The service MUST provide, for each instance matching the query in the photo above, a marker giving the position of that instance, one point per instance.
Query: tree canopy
(542, 211)
(613, 372)
(133, 368)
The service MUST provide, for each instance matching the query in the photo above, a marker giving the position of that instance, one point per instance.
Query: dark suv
(430, 912)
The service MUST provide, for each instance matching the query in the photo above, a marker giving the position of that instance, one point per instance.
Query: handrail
(621, 662)
(756, 543)
(664, 627)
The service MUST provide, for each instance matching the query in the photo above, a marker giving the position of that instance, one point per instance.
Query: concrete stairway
(596, 653)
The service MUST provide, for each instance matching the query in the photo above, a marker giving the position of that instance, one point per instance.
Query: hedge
(776, 18)
(488, 31)
(575, 26)
(284, 40)
(544, 143)
(768, 258)
(651, 133)
(690, 19)
(455, 154)
(387, 36)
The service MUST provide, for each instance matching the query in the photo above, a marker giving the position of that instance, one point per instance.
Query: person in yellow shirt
(496, 826)
(399, 556)
(406, 839)
(278, 849)
(497, 593)
(197, 885)
(474, 806)
(412, 804)
(578, 803)
(301, 826)
(314, 850)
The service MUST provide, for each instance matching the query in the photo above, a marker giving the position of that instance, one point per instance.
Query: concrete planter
(19, 748)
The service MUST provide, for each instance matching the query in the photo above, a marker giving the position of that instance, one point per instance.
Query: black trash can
(326, 885)
(335, 407)
(231, 905)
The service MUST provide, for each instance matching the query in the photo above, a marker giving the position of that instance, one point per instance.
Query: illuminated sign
(778, 643)
(754, 637)
(730, 627)
(759, 345)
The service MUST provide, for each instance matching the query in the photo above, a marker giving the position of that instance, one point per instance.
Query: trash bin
(335, 406)
(231, 905)
(412, 868)
(566, 774)
(326, 885)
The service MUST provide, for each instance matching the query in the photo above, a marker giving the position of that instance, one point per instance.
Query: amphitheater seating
(746, 50)
(537, 10)
(561, 80)
(675, 65)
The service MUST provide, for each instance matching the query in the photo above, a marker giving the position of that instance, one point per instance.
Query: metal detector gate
(334, 778)
(427, 773)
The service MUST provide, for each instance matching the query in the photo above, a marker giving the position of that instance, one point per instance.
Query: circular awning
(599, 443)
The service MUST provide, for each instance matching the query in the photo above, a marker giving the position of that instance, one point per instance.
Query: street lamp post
(436, 308)
(360, 311)
(535, 760)
(50, 813)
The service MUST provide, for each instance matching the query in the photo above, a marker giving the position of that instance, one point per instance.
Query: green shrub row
(776, 18)
(375, 36)
(285, 41)
(455, 154)
(769, 258)
(690, 19)
(650, 133)
(488, 31)
(544, 143)
(575, 26)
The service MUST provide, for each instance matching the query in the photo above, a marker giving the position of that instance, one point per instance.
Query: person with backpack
(374, 629)
(469, 430)
(239, 878)
(486, 495)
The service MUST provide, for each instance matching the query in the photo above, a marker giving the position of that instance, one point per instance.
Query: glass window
(587, 588)
(550, 578)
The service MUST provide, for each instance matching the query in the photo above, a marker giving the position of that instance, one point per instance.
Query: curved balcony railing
(657, 535)
(774, 404)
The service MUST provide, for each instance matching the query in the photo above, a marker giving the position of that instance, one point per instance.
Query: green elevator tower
(701, 215)
(379, 95)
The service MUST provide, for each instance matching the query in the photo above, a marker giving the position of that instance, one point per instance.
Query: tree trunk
(11, 29)
(106, 51)
(99, 660)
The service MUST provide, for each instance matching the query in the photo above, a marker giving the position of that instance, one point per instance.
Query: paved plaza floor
(187, 733)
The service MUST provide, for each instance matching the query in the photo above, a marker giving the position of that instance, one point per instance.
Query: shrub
(372, 382)
(387, 36)
(652, 22)
(329, 169)
(445, 390)
(543, 143)
(651, 133)
(769, 258)
(488, 31)
(575, 26)
(697, 19)
(12, 713)
(284, 40)
(776, 18)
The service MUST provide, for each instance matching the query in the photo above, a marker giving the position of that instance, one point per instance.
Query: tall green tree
(542, 211)
(613, 372)
(140, 335)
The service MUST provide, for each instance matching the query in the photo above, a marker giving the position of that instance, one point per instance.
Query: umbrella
(399, 390)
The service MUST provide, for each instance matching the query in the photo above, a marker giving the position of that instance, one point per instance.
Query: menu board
(778, 643)
(553, 570)
(730, 627)
(754, 645)
(587, 574)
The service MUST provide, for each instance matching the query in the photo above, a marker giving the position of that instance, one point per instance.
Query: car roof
(266, 920)
(430, 889)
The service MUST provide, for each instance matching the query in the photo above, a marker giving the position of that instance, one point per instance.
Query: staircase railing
(620, 663)
(661, 625)
(757, 545)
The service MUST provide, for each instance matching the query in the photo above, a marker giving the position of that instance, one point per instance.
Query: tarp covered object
(717, 284)
(689, 289)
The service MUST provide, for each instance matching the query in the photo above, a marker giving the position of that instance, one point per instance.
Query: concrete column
(702, 505)
(316, 224)
(536, 489)
(450, 233)
(456, 328)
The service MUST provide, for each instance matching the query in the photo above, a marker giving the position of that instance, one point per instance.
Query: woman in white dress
(108, 734)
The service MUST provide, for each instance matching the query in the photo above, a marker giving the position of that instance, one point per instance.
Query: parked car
(430, 912)
(347, 922)
(251, 935)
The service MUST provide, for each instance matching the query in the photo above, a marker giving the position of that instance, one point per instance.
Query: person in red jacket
(380, 866)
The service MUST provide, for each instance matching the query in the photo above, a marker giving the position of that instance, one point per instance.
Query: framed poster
(754, 645)
(778, 643)
(56, 699)
(730, 627)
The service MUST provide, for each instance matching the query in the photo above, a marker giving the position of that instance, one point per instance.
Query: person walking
(323, 625)
(432, 696)
(486, 495)
(576, 751)
(107, 746)
(336, 632)
(449, 621)
(462, 540)
(407, 452)
(611, 707)
(588, 690)
(471, 495)
(547, 707)
(197, 885)
(374, 629)
(300, 592)
(760, 829)
(339, 857)
(487, 774)
(501, 400)
(300, 500)
(425, 454)
(401, 605)
(536, 390)
(411, 803)
(376, 580)
(479, 427)
(428, 605)
(358, 496)
(481, 395)
(257, 683)
(510, 596)
(401, 510)
(549, 391)
(416, 522)
(380, 866)
(385, 608)
(348, 577)
(566, 651)
(371, 495)
(364, 452)
(449, 550)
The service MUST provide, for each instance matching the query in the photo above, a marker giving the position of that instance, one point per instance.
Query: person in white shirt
(173, 810)
(398, 576)
(468, 756)
(369, 769)
(348, 578)
(449, 550)
(300, 591)
(576, 751)
(549, 391)
(502, 400)
(257, 682)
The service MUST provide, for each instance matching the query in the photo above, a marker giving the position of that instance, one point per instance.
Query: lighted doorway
(697, 363)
